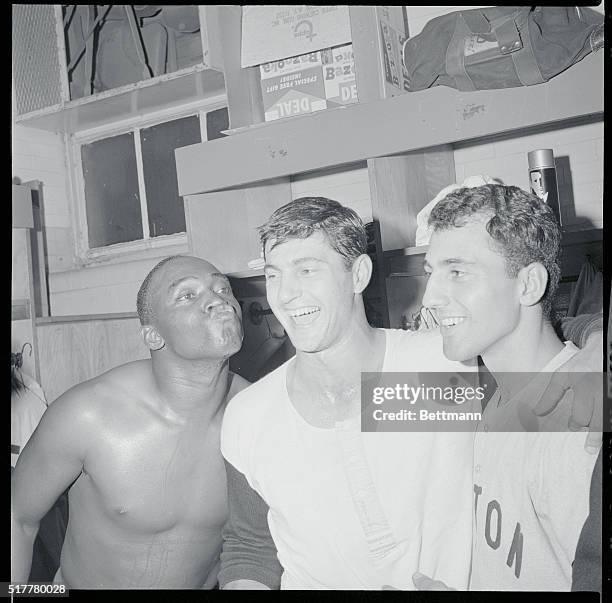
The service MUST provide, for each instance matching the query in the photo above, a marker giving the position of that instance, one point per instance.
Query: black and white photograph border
(249, 241)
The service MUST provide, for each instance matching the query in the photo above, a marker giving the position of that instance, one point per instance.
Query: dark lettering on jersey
(493, 506)
(516, 551)
(515, 554)
(477, 492)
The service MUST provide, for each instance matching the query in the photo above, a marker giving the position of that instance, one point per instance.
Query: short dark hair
(523, 227)
(301, 218)
(144, 307)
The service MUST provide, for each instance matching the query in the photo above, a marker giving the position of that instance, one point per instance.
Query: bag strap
(507, 30)
(476, 21)
(514, 38)
(526, 66)
(508, 37)
(455, 59)
(505, 26)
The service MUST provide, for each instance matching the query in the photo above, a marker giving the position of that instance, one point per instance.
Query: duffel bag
(500, 47)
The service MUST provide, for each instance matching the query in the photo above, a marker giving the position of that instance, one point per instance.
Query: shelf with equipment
(407, 141)
(406, 123)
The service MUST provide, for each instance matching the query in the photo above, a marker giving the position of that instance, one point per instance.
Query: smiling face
(196, 312)
(476, 303)
(310, 291)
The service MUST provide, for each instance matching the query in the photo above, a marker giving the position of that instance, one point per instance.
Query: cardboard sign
(293, 86)
(308, 83)
(396, 73)
(339, 75)
(272, 32)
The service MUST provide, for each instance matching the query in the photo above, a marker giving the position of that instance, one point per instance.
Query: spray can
(543, 178)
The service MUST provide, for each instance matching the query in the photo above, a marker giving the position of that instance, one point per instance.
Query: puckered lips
(223, 312)
(304, 315)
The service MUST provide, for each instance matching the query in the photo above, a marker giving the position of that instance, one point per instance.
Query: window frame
(147, 246)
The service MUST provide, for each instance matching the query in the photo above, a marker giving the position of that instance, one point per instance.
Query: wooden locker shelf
(391, 126)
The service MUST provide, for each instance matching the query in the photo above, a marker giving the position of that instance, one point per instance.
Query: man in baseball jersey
(493, 265)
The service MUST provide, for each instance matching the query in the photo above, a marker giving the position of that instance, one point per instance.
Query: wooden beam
(242, 85)
(22, 207)
(402, 185)
(369, 51)
(369, 70)
(213, 219)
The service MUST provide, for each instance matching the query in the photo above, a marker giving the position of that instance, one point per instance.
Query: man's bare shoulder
(89, 399)
(72, 421)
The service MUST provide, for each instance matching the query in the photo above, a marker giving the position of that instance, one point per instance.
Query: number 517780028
(40, 589)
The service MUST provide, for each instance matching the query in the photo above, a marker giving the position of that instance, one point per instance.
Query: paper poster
(272, 32)
(293, 86)
(308, 83)
(339, 75)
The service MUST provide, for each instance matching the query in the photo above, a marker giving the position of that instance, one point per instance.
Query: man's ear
(153, 340)
(533, 280)
(362, 272)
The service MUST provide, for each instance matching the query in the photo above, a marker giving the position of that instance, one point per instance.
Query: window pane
(166, 213)
(215, 122)
(111, 191)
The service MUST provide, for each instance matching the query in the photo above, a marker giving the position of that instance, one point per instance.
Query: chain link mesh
(36, 68)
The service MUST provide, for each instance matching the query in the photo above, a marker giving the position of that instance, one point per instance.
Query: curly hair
(301, 218)
(524, 228)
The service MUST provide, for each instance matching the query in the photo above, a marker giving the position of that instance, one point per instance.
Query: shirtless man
(140, 446)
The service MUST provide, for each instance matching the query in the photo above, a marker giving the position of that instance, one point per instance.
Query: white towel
(423, 232)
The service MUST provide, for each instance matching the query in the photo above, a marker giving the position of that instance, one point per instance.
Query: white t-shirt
(531, 494)
(27, 408)
(409, 498)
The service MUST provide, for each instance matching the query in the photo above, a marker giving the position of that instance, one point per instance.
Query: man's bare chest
(154, 483)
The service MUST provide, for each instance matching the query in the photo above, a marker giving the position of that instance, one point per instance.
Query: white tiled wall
(579, 153)
(579, 157)
(349, 186)
(39, 155)
(99, 289)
